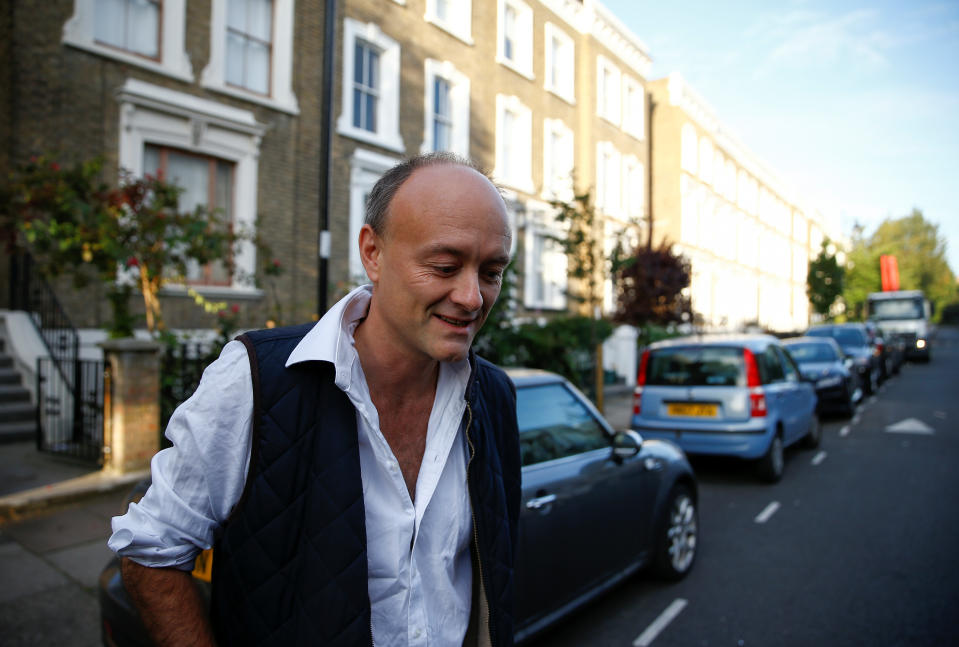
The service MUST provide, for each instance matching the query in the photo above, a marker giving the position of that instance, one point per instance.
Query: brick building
(548, 94)
(223, 97)
(747, 234)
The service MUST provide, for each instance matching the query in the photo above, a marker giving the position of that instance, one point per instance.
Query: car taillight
(757, 396)
(640, 383)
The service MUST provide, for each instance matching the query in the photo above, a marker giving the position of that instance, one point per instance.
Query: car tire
(772, 464)
(813, 436)
(677, 535)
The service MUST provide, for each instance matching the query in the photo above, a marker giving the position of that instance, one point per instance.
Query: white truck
(904, 314)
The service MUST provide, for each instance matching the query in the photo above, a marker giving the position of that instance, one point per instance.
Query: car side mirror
(626, 444)
(847, 362)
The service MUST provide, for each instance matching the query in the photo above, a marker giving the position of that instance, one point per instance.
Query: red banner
(889, 270)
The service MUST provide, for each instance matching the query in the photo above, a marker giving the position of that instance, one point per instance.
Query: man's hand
(169, 604)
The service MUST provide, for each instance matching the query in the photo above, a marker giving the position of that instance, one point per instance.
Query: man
(358, 479)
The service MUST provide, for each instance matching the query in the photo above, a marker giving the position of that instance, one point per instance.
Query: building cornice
(590, 17)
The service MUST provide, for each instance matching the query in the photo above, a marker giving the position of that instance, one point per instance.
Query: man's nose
(466, 293)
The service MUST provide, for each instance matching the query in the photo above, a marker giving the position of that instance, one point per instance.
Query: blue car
(724, 395)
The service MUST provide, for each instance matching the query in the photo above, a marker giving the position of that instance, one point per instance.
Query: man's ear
(371, 248)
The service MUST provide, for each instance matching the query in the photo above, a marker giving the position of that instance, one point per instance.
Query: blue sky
(856, 104)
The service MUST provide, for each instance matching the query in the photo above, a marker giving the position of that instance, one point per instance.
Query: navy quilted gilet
(290, 565)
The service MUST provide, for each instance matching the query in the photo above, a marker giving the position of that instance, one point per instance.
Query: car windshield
(895, 309)
(845, 336)
(807, 352)
(696, 366)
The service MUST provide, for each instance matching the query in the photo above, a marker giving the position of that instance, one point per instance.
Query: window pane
(373, 64)
(111, 22)
(554, 424)
(235, 48)
(258, 72)
(357, 108)
(441, 97)
(359, 55)
(236, 15)
(370, 117)
(260, 24)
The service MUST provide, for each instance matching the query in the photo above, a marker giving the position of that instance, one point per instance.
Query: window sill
(568, 98)
(389, 142)
(289, 105)
(183, 73)
(451, 30)
(525, 71)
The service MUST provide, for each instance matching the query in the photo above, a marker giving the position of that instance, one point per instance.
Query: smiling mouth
(459, 323)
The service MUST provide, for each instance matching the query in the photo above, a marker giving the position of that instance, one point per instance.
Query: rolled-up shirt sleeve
(198, 480)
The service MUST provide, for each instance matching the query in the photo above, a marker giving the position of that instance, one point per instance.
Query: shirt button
(417, 633)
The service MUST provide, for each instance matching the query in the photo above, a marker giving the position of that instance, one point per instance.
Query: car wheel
(814, 435)
(772, 463)
(678, 536)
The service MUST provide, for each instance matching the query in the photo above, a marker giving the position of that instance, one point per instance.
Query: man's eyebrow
(440, 249)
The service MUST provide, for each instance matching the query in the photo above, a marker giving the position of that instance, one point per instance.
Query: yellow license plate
(692, 409)
(203, 566)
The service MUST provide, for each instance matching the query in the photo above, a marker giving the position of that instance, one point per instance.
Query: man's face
(438, 267)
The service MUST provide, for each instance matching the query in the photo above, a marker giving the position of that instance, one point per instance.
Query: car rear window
(844, 336)
(812, 352)
(696, 366)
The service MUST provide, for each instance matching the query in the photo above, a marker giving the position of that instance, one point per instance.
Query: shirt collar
(331, 340)
(323, 341)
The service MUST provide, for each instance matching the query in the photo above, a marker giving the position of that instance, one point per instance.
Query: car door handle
(540, 502)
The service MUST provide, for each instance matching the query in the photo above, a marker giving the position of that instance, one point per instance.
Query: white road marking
(844, 431)
(767, 512)
(856, 419)
(910, 426)
(939, 414)
(871, 399)
(818, 458)
(649, 635)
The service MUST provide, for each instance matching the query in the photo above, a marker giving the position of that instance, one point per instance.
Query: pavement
(54, 524)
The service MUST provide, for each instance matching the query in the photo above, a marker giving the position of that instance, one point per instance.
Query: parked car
(722, 395)
(822, 362)
(892, 350)
(598, 505)
(854, 340)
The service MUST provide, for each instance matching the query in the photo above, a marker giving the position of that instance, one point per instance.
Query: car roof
(531, 376)
(717, 339)
(848, 324)
(829, 341)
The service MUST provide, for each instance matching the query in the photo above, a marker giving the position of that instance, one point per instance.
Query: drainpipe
(326, 156)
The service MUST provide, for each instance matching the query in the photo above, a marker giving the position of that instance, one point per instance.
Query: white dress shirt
(420, 576)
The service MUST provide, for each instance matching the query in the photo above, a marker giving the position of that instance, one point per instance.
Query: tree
(920, 252)
(825, 280)
(583, 247)
(651, 287)
(135, 234)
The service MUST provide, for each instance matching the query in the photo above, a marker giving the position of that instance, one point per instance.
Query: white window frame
(608, 94)
(79, 31)
(634, 187)
(609, 198)
(558, 164)
(387, 133)
(460, 23)
(541, 222)
(281, 96)
(523, 63)
(689, 158)
(565, 89)
(521, 177)
(366, 167)
(459, 106)
(150, 114)
(634, 116)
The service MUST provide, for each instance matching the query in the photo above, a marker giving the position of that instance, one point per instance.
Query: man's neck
(391, 374)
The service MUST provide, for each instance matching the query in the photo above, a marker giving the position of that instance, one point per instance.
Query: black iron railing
(31, 293)
(70, 418)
